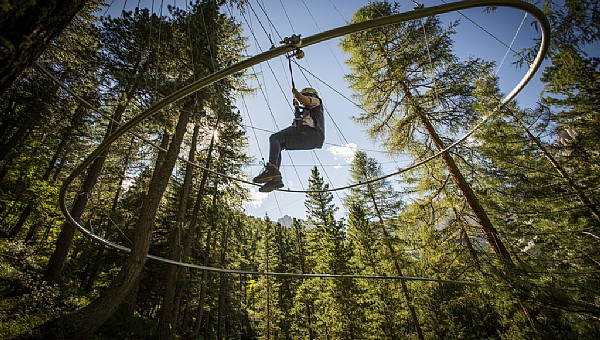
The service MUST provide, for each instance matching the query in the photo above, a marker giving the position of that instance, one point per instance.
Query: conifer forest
(117, 228)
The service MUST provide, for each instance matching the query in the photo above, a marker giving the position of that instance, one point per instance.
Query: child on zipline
(306, 133)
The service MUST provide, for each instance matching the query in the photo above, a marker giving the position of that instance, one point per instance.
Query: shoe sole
(266, 179)
(263, 189)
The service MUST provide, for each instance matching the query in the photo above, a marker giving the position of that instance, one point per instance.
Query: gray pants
(299, 137)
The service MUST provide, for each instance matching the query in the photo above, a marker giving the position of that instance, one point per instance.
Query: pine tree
(374, 208)
(336, 315)
(136, 63)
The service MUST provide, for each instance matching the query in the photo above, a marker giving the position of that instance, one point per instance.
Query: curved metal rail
(314, 39)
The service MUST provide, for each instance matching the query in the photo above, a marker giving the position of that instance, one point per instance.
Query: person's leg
(276, 144)
(278, 141)
(291, 138)
(304, 138)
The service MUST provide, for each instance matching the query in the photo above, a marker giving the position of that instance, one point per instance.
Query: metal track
(275, 52)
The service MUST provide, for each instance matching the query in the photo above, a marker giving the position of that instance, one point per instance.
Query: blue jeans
(299, 137)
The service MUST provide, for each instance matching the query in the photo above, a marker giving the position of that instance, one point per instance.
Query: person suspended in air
(306, 133)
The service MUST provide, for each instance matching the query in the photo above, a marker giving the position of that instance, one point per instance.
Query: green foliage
(26, 300)
(425, 229)
(119, 328)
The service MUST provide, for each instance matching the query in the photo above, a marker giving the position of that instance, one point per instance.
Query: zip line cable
(110, 5)
(314, 153)
(326, 110)
(512, 94)
(267, 16)
(263, 91)
(325, 165)
(261, 24)
(361, 107)
(278, 51)
(253, 130)
(320, 30)
(521, 58)
(329, 86)
(270, 68)
(339, 131)
(511, 43)
(302, 69)
(278, 83)
(338, 12)
(289, 57)
(287, 16)
(325, 143)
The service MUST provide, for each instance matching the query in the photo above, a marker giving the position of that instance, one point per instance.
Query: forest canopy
(506, 227)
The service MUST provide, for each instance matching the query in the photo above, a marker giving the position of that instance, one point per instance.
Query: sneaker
(271, 185)
(269, 173)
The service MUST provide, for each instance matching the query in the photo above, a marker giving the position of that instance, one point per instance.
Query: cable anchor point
(294, 41)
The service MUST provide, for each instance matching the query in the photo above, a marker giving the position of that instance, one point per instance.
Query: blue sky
(326, 61)
(270, 108)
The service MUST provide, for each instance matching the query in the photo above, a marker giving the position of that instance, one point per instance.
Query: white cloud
(346, 152)
(256, 198)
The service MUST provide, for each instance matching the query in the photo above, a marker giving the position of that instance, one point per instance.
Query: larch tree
(389, 69)
(546, 160)
(418, 96)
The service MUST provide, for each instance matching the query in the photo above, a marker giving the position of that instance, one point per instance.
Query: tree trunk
(26, 30)
(222, 285)
(67, 232)
(298, 227)
(89, 283)
(23, 130)
(407, 296)
(193, 230)
(82, 323)
(167, 323)
(490, 232)
(126, 310)
(207, 253)
(14, 231)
